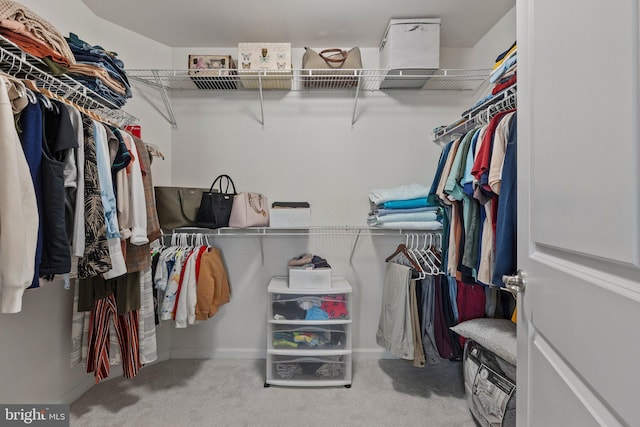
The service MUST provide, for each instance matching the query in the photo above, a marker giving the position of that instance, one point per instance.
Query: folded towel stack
(403, 207)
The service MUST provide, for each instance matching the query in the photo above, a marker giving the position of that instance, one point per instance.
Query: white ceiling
(319, 23)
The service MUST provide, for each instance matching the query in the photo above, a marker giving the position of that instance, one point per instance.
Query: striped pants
(126, 327)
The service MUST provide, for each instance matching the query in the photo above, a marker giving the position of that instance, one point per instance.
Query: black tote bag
(215, 207)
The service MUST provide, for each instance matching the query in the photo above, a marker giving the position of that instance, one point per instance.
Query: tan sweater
(213, 286)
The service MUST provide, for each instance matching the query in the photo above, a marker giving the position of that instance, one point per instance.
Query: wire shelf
(14, 61)
(312, 79)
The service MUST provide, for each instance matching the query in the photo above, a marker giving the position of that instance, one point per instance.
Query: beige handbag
(249, 210)
(341, 66)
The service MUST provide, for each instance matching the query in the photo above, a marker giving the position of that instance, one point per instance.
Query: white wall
(36, 342)
(498, 39)
(308, 151)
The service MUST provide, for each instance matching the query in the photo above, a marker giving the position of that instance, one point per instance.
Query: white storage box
(210, 65)
(317, 278)
(268, 64)
(290, 217)
(212, 71)
(410, 44)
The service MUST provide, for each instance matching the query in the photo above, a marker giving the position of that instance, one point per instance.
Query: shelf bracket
(165, 99)
(353, 248)
(261, 244)
(261, 108)
(355, 101)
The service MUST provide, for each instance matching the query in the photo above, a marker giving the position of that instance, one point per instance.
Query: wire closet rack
(478, 115)
(352, 81)
(355, 233)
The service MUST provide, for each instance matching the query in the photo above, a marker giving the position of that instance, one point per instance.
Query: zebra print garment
(96, 258)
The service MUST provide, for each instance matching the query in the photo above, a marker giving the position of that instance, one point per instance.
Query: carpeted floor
(229, 393)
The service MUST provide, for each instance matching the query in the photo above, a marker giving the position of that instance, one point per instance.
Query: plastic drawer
(315, 307)
(309, 370)
(305, 337)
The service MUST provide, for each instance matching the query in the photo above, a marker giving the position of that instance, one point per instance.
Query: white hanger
(424, 255)
(426, 249)
(417, 256)
(46, 102)
(30, 96)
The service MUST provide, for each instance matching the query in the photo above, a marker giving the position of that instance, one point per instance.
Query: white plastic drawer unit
(309, 334)
(313, 338)
(310, 371)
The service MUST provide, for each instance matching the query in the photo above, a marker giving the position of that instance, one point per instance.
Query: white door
(579, 212)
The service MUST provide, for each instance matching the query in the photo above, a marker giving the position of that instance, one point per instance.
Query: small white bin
(290, 217)
(316, 278)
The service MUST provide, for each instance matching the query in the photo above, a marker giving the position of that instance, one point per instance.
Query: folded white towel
(402, 192)
(400, 217)
(411, 225)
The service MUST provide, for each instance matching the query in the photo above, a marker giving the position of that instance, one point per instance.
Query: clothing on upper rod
(479, 219)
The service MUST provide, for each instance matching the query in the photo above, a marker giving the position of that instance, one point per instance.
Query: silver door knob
(516, 282)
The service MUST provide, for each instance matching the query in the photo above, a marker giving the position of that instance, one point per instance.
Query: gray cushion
(496, 335)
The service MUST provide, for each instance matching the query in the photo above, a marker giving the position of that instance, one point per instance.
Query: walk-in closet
(282, 214)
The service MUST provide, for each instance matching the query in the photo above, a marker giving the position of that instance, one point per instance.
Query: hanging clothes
(58, 139)
(213, 286)
(137, 256)
(418, 359)
(118, 267)
(30, 124)
(95, 259)
(506, 224)
(191, 283)
(126, 327)
(395, 332)
(473, 171)
(427, 302)
(147, 326)
(78, 193)
(136, 196)
(19, 219)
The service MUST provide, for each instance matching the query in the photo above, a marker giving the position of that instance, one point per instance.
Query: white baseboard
(231, 353)
(163, 355)
(240, 353)
(78, 390)
(371, 354)
(86, 384)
